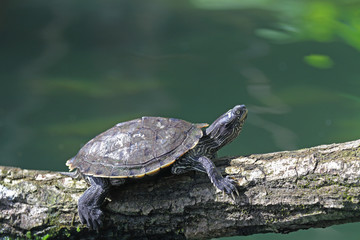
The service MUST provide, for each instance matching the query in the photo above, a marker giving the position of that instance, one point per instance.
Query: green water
(71, 69)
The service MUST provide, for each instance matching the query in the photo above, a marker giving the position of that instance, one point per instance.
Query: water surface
(70, 70)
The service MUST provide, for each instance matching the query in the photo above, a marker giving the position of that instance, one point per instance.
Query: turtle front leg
(224, 184)
(204, 164)
(89, 204)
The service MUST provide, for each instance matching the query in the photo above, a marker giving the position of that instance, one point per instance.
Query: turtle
(143, 146)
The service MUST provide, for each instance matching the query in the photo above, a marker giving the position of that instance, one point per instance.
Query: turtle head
(228, 126)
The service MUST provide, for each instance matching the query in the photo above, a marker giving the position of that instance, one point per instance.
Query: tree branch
(279, 192)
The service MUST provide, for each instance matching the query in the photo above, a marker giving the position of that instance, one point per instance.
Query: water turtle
(143, 146)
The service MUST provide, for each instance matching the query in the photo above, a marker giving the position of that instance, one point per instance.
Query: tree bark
(279, 192)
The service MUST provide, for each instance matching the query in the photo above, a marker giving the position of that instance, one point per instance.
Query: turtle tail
(76, 174)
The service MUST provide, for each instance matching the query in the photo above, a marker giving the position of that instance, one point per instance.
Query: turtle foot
(92, 217)
(227, 185)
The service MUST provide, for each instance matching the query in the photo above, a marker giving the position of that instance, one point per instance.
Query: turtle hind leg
(89, 204)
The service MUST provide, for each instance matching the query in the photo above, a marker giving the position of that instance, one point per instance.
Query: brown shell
(136, 148)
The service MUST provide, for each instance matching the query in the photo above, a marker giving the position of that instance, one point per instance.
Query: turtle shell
(136, 148)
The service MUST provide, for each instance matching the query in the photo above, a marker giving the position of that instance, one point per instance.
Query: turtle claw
(233, 196)
(237, 192)
(234, 193)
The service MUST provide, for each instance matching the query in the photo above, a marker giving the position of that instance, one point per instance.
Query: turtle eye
(238, 112)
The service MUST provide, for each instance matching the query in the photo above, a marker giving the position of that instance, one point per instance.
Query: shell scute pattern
(135, 148)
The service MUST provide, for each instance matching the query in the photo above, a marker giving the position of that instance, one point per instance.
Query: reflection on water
(259, 88)
(77, 68)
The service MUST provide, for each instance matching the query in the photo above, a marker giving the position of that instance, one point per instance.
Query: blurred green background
(71, 69)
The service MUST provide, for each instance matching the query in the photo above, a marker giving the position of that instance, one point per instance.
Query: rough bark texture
(279, 192)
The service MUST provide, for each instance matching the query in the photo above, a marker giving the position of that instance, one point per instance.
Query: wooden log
(279, 192)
